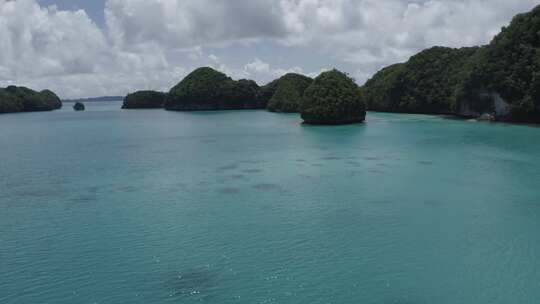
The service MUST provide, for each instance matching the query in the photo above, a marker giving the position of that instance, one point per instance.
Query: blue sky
(78, 50)
(94, 8)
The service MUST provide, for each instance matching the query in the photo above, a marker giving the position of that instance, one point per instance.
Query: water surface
(112, 206)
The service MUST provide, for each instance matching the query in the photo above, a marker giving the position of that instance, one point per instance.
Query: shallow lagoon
(112, 206)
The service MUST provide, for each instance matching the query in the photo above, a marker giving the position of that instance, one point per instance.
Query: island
(21, 99)
(333, 99)
(498, 81)
(79, 106)
(144, 100)
(285, 94)
(207, 89)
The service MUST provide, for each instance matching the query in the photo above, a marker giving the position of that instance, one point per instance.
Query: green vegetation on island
(144, 100)
(333, 98)
(208, 89)
(286, 93)
(499, 81)
(426, 84)
(20, 99)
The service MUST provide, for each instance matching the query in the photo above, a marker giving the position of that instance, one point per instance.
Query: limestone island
(285, 94)
(79, 106)
(207, 89)
(333, 99)
(144, 100)
(498, 81)
(21, 99)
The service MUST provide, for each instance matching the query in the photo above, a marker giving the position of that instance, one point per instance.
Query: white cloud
(151, 44)
(259, 69)
(186, 23)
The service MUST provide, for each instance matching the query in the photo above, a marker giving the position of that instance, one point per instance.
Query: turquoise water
(111, 206)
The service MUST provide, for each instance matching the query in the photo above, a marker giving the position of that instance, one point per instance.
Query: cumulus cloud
(151, 44)
(188, 23)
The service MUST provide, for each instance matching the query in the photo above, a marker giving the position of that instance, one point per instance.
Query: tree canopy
(447, 81)
(144, 100)
(333, 98)
(287, 93)
(208, 89)
(21, 99)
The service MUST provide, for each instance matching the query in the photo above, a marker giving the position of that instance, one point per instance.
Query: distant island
(333, 97)
(496, 82)
(95, 99)
(79, 106)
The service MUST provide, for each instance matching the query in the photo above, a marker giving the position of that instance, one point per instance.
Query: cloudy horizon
(82, 48)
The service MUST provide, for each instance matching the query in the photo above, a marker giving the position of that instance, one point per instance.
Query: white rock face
(502, 108)
(487, 106)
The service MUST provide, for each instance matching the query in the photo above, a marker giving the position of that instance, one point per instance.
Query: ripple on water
(252, 171)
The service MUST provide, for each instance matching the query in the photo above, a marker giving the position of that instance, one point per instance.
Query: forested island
(207, 89)
(285, 94)
(144, 100)
(498, 82)
(21, 99)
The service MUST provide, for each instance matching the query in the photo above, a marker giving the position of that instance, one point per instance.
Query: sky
(85, 48)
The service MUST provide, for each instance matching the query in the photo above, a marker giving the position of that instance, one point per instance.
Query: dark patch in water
(227, 168)
(84, 199)
(432, 203)
(376, 171)
(372, 158)
(251, 162)
(317, 165)
(251, 171)
(425, 163)
(94, 189)
(41, 193)
(127, 189)
(267, 187)
(355, 173)
(330, 158)
(403, 300)
(382, 202)
(191, 282)
(301, 160)
(229, 190)
(354, 163)
(235, 176)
